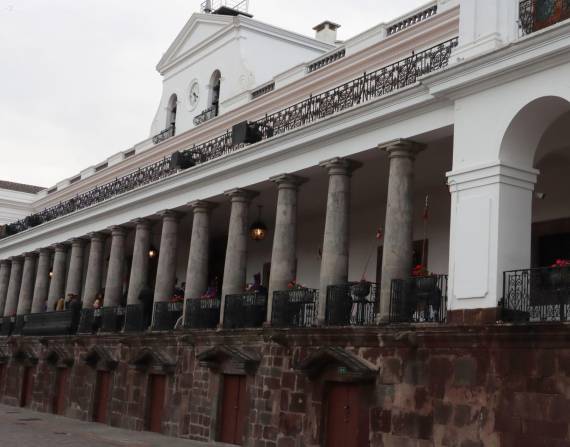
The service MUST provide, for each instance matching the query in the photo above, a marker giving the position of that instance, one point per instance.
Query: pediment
(100, 358)
(346, 365)
(152, 360)
(197, 32)
(59, 357)
(25, 355)
(229, 359)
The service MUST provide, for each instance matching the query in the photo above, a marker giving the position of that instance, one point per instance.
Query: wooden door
(2, 374)
(60, 392)
(157, 387)
(347, 417)
(102, 392)
(233, 409)
(27, 387)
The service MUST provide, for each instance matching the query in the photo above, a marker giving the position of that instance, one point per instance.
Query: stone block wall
(425, 386)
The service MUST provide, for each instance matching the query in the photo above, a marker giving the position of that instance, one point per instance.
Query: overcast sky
(78, 80)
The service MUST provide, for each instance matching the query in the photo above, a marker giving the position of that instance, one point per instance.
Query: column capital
(16, 259)
(169, 215)
(241, 195)
(141, 222)
(288, 181)
(30, 254)
(402, 148)
(4, 262)
(59, 247)
(76, 241)
(340, 166)
(96, 236)
(202, 206)
(117, 230)
(44, 250)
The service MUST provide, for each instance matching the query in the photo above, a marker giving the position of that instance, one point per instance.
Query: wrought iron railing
(135, 318)
(213, 5)
(51, 323)
(21, 320)
(372, 85)
(245, 310)
(263, 90)
(352, 304)
(90, 321)
(7, 324)
(534, 295)
(295, 308)
(166, 314)
(165, 134)
(412, 20)
(327, 60)
(535, 15)
(420, 299)
(206, 115)
(202, 313)
(112, 319)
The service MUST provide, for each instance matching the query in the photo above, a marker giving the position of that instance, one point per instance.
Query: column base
(474, 317)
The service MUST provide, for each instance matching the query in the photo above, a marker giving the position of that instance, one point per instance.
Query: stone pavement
(20, 427)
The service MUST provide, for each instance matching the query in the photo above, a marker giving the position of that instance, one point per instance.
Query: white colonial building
(439, 139)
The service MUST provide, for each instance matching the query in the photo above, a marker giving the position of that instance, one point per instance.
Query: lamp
(152, 253)
(258, 230)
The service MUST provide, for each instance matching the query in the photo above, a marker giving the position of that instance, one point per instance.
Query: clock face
(194, 94)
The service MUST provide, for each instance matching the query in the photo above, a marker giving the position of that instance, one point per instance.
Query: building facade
(322, 243)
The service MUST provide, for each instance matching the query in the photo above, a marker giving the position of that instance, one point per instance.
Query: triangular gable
(25, 355)
(229, 360)
(197, 30)
(151, 360)
(100, 358)
(348, 365)
(59, 357)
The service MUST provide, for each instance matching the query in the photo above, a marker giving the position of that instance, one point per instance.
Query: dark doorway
(27, 386)
(102, 393)
(347, 417)
(553, 247)
(156, 392)
(60, 392)
(233, 409)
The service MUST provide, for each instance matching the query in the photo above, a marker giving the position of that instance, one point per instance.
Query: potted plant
(423, 279)
(559, 274)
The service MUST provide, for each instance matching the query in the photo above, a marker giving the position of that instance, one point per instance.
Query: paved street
(23, 428)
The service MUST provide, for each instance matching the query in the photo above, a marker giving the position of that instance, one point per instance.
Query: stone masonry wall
(432, 386)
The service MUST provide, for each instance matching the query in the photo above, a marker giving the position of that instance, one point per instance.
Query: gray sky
(78, 80)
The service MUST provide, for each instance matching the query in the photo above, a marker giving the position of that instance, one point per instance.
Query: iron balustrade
(535, 295)
(63, 322)
(535, 15)
(166, 314)
(90, 321)
(165, 134)
(206, 115)
(263, 90)
(7, 325)
(420, 299)
(412, 20)
(19, 324)
(295, 308)
(135, 318)
(112, 319)
(352, 304)
(202, 313)
(365, 88)
(245, 310)
(327, 60)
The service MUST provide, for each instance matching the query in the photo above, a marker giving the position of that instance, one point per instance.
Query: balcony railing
(167, 133)
(534, 295)
(412, 20)
(419, 299)
(51, 323)
(90, 321)
(112, 319)
(295, 308)
(202, 313)
(245, 310)
(352, 304)
(206, 115)
(6, 325)
(166, 315)
(19, 324)
(535, 15)
(365, 88)
(135, 319)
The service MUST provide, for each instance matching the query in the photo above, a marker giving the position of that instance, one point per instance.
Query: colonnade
(29, 283)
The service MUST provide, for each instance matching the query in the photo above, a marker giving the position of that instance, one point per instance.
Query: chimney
(326, 31)
(207, 6)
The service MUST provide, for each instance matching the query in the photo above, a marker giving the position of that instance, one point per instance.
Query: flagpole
(424, 242)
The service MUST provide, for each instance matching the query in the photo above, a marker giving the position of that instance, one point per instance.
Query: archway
(171, 111)
(214, 99)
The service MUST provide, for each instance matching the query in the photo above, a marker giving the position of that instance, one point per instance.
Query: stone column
(4, 281)
(334, 262)
(166, 270)
(57, 284)
(75, 275)
(94, 276)
(398, 229)
(114, 283)
(41, 287)
(27, 288)
(284, 252)
(139, 267)
(198, 259)
(14, 286)
(236, 251)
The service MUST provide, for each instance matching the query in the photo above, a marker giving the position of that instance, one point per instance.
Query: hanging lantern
(258, 230)
(152, 253)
